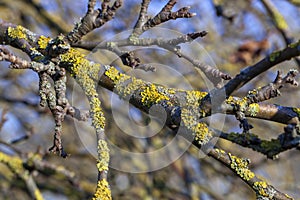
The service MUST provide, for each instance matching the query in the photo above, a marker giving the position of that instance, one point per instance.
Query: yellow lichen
(188, 118)
(171, 91)
(17, 32)
(124, 90)
(150, 95)
(220, 151)
(79, 64)
(103, 191)
(253, 92)
(43, 42)
(253, 109)
(190, 115)
(289, 197)
(202, 133)
(103, 156)
(98, 119)
(13, 162)
(38, 195)
(280, 21)
(297, 110)
(86, 73)
(261, 188)
(195, 96)
(126, 85)
(230, 99)
(240, 104)
(240, 166)
(114, 74)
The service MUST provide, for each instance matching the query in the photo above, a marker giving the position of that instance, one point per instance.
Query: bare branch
(93, 19)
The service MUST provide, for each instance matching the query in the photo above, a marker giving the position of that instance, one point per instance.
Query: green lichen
(294, 45)
(233, 136)
(241, 138)
(237, 138)
(270, 146)
(253, 109)
(274, 55)
(103, 191)
(240, 166)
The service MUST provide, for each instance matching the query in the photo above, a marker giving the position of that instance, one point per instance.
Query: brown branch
(247, 74)
(271, 148)
(272, 90)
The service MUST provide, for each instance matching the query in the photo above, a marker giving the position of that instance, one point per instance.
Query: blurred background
(240, 33)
